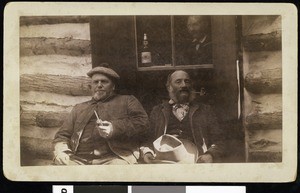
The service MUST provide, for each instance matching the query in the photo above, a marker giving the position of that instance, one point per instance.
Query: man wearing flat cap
(105, 130)
(191, 122)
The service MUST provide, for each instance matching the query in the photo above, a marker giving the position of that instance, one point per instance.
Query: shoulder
(125, 97)
(83, 104)
(159, 107)
(202, 106)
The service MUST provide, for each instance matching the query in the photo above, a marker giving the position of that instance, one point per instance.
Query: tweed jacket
(203, 123)
(129, 120)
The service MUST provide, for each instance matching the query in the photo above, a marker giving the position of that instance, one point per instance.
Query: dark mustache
(184, 89)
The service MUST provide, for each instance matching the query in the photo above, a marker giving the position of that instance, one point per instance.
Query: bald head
(177, 73)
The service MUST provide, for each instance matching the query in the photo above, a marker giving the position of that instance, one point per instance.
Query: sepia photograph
(129, 95)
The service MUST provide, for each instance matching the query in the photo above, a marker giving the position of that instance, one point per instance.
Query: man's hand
(148, 158)
(61, 158)
(205, 158)
(105, 129)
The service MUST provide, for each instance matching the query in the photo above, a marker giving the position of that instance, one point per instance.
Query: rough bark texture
(263, 42)
(56, 65)
(37, 148)
(266, 112)
(255, 24)
(64, 30)
(265, 81)
(50, 119)
(75, 86)
(271, 120)
(265, 156)
(265, 60)
(37, 20)
(262, 66)
(50, 46)
(43, 119)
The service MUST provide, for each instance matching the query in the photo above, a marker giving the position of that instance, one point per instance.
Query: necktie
(180, 111)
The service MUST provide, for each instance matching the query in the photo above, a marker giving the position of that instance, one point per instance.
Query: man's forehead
(180, 75)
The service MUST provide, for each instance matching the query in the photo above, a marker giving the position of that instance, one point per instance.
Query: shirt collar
(172, 102)
(200, 41)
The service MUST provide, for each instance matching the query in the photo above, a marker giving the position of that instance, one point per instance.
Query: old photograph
(183, 90)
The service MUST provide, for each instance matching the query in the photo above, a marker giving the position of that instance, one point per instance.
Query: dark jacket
(129, 120)
(203, 124)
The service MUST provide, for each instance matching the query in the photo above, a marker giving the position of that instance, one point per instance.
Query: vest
(180, 128)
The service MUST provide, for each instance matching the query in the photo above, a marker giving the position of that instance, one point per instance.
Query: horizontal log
(265, 81)
(266, 112)
(262, 42)
(38, 132)
(28, 118)
(264, 120)
(56, 65)
(51, 119)
(262, 144)
(36, 148)
(36, 106)
(43, 119)
(51, 46)
(66, 30)
(256, 24)
(265, 140)
(51, 100)
(37, 20)
(264, 156)
(265, 60)
(60, 84)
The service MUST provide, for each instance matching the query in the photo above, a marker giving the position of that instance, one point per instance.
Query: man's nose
(183, 84)
(100, 84)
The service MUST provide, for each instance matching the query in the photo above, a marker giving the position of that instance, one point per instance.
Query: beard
(99, 95)
(184, 95)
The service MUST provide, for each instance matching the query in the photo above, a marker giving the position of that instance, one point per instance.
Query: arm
(61, 142)
(136, 122)
(146, 149)
(215, 136)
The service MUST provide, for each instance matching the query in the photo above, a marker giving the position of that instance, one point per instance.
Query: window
(173, 42)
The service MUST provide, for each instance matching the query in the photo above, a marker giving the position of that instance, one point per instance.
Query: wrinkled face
(180, 87)
(102, 87)
(197, 25)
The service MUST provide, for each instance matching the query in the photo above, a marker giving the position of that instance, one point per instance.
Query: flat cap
(103, 70)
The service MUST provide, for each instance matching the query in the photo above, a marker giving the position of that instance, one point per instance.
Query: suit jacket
(191, 56)
(203, 123)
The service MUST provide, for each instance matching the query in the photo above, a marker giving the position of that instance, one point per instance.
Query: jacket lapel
(166, 109)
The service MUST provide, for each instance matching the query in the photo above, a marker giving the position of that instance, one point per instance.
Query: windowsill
(198, 66)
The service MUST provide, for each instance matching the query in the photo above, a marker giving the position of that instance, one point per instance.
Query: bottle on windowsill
(146, 59)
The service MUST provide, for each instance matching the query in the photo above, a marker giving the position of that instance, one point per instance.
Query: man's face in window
(197, 26)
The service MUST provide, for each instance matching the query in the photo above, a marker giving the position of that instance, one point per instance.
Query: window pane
(193, 43)
(158, 32)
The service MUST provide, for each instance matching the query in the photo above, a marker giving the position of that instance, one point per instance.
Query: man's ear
(168, 88)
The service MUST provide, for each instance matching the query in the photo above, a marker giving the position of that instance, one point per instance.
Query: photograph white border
(285, 171)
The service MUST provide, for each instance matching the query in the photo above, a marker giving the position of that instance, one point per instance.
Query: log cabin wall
(55, 54)
(262, 58)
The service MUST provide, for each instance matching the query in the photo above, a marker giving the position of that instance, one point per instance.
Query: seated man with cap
(104, 130)
(183, 130)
